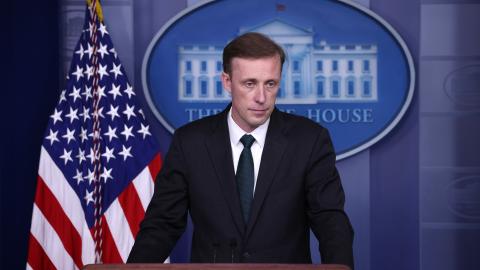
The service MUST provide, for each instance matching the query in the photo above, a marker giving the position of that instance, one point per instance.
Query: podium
(216, 266)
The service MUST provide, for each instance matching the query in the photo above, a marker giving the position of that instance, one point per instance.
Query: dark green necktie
(245, 176)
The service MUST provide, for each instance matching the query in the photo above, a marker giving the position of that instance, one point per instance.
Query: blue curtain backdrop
(30, 89)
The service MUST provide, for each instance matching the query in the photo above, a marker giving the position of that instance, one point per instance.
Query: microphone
(215, 247)
(233, 246)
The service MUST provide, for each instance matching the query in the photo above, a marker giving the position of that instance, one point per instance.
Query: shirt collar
(236, 132)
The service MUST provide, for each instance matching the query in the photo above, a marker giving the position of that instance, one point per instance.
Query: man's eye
(249, 84)
(271, 84)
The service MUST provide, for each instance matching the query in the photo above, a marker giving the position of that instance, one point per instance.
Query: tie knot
(247, 140)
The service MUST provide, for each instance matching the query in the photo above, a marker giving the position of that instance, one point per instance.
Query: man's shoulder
(304, 132)
(297, 123)
(201, 126)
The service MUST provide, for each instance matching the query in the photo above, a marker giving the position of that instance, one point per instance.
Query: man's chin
(260, 114)
(258, 121)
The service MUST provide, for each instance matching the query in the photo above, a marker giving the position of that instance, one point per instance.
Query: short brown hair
(251, 45)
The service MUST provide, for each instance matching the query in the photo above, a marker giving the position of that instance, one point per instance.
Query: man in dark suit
(253, 178)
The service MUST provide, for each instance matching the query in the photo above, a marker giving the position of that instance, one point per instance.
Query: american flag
(98, 162)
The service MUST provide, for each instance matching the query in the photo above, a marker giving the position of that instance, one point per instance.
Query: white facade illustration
(312, 73)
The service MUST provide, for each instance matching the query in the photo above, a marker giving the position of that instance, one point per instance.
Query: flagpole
(98, 8)
(95, 16)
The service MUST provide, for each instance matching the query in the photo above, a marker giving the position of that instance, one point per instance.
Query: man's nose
(260, 94)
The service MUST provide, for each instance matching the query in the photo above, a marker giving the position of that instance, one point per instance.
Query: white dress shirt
(236, 134)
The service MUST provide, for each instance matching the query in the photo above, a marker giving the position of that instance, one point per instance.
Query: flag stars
(91, 156)
(88, 197)
(98, 113)
(112, 50)
(144, 130)
(78, 176)
(67, 156)
(97, 86)
(108, 153)
(125, 152)
(113, 112)
(129, 111)
(88, 71)
(56, 116)
(62, 96)
(78, 73)
(101, 93)
(85, 114)
(111, 133)
(90, 28)
(141, 113)
(106, 174)
(87, 93)
(69, 135)
(81, 156)
(115, 91)
(75, 94)
(116, 70)
(52, 137)
(102, 71)
(81, 52)
(103, 50)
(89, 51)
(103, 29)
(72, 114)
(90, 176)
(129, 91)
(127, 132)
(83, 134)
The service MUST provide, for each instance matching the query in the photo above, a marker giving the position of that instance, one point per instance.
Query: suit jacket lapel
(220, 151)
(275, 145)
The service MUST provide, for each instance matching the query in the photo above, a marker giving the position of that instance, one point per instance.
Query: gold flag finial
(98, 9)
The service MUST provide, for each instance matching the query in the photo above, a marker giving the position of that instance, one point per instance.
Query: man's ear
(227, 82)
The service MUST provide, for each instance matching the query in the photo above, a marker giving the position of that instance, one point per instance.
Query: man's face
(253, 85)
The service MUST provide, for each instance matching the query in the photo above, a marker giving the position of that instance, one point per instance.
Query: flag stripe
(131, 205)
(37, 258)
(66, 196)
(120, 230)
(68, 200)
(53, 212)
(88, 247)
(144, 186)
(155, 165)
(110, 251)
(49, 241)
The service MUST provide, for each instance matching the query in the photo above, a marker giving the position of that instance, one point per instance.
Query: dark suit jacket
(297, 188)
